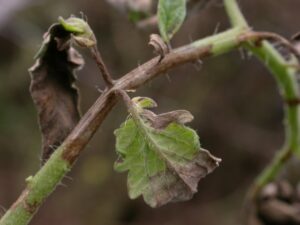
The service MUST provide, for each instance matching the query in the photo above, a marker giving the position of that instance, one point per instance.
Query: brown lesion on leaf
(180, 183)
(181, 175)
(53, 90)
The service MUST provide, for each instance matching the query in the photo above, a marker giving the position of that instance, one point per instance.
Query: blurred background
(238, 112)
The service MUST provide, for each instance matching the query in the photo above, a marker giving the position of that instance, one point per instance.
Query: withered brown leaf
(52, 88)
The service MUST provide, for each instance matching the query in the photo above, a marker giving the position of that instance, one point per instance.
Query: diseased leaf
(52, 87)
(171, 14)
(163, 157)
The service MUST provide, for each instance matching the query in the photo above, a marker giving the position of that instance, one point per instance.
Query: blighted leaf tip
(163, 157)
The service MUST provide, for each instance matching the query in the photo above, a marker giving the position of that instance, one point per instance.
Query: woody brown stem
(41, 185)
(258, 37)
(101, 65)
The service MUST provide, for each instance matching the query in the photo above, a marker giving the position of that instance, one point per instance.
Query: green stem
(286, 81)
(50, 175)
(38, 188)
(234, 13)
(44, 182)
(222, 42)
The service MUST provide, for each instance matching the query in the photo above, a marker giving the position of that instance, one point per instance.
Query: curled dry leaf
(160, 47)
(163, 157)
(52, 87)
(162, 120)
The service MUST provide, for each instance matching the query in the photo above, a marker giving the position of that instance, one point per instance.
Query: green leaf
(144, 102)
(171, 14)
(163, 157)
(81, 31)
(74, 25)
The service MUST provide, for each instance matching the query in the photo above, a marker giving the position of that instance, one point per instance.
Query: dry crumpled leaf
(52, 88)
(163, 157)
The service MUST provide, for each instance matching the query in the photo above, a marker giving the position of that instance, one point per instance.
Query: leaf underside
(163, 158)
(171, 14)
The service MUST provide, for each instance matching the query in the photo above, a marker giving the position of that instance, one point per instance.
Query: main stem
(41, 185)
(287, 83)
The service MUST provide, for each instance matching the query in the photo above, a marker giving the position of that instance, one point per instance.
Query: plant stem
(40, 186)
(286, 81)
(102, 67)
(44, 182)
(234, 13)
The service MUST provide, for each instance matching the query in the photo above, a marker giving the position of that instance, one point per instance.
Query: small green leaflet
(82, 34)
(163, 157)
(171, 14)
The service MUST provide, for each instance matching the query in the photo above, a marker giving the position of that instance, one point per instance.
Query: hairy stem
(286, 81)
(258, 37)
(101, 65)
(234, 13)
(41, 185)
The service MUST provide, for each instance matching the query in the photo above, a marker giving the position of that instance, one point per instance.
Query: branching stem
(258, 37)
(287, 83)
(102, 67)
(41, 185)
(21, 212)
